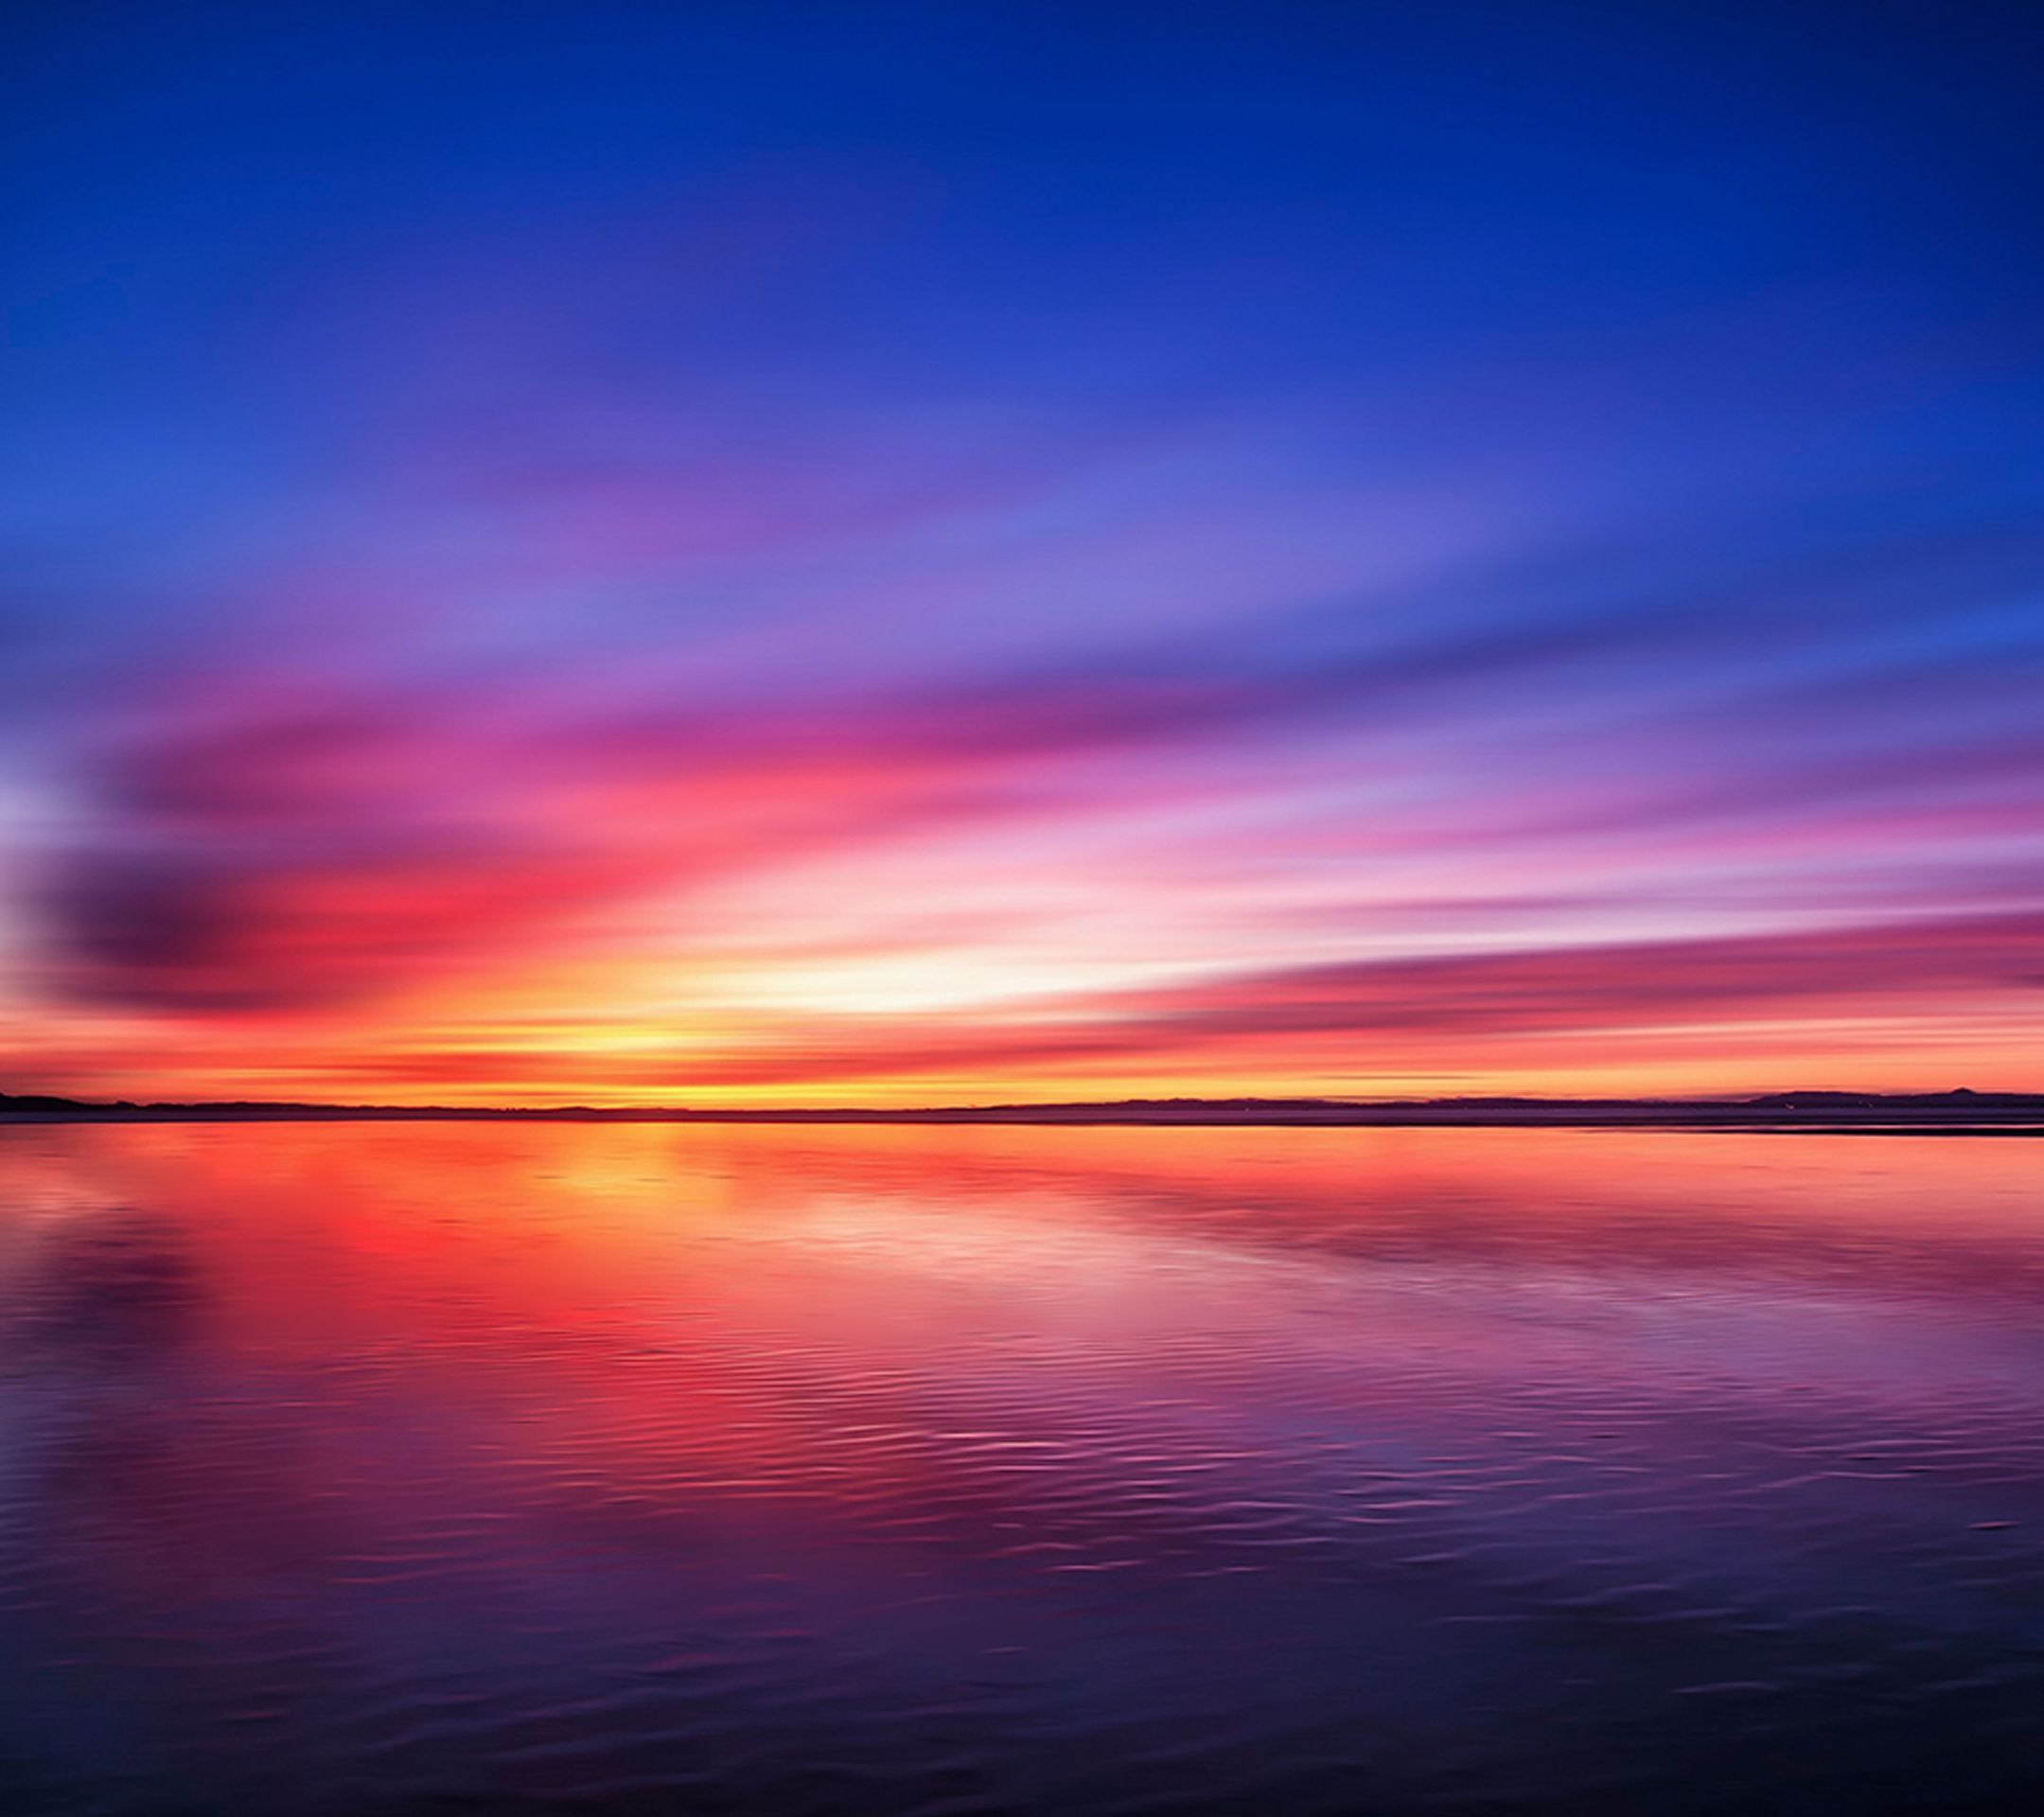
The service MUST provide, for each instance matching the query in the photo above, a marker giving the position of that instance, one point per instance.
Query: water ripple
(396, 1470)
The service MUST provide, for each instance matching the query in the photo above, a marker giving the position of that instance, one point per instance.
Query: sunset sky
(892, 553)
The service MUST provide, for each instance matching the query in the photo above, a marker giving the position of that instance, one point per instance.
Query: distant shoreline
(1955, 1113)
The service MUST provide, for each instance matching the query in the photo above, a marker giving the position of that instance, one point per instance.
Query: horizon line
(1826, 1106)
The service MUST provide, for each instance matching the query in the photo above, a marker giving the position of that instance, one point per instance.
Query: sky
(831, 553)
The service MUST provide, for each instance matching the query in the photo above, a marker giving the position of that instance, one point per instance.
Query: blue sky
(884, 551)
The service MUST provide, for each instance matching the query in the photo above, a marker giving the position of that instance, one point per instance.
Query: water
(356, 1471)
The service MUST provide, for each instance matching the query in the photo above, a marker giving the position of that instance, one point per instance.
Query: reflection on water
(362, 1470)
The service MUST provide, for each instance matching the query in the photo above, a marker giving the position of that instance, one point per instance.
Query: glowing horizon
(928, 559)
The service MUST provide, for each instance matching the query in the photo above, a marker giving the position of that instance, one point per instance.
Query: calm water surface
(367, 1470)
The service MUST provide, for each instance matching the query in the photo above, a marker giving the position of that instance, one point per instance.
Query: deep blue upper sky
(1411, 482)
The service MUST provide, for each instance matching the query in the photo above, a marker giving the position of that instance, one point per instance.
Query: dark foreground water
(370, 1470)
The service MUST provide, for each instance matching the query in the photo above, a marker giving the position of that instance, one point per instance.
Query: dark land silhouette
(1960, 1111)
